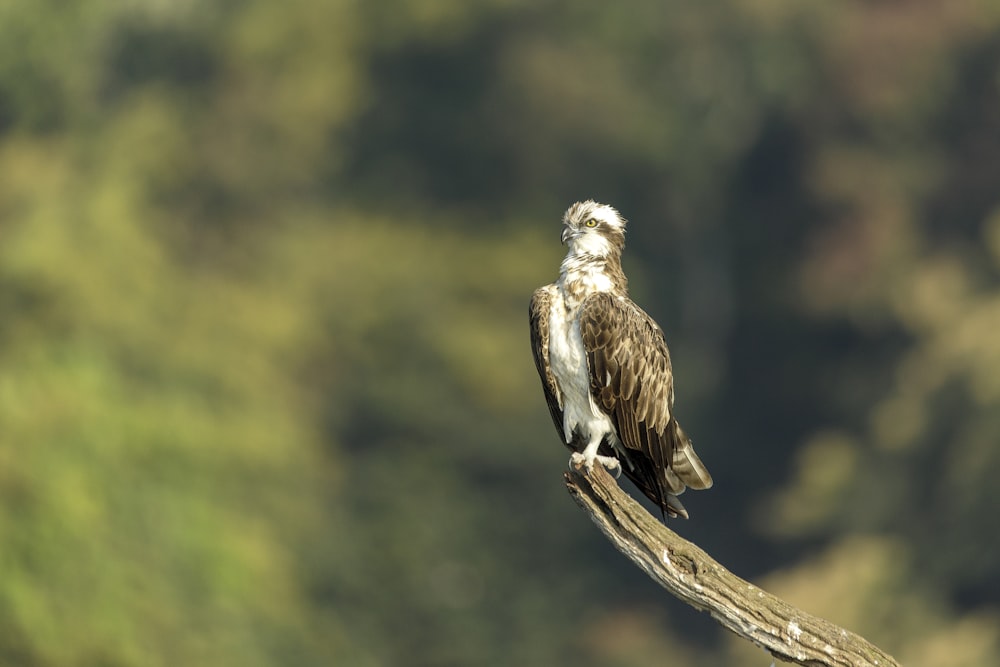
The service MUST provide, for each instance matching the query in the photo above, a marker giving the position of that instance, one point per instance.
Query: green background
(266, 394)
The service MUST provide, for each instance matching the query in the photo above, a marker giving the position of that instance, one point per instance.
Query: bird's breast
(568, 359)
(566, 352)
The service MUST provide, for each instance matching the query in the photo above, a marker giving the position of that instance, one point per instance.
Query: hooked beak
(567, 234)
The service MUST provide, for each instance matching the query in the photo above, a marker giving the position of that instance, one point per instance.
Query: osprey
(605, 368)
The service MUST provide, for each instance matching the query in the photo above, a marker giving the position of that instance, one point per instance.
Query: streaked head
(593, 229)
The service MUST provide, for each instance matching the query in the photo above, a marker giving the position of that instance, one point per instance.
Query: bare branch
(692, 575)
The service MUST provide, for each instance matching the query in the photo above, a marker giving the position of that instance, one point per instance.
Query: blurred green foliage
(265, 389)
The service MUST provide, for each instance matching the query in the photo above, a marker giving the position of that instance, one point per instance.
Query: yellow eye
(591, 223)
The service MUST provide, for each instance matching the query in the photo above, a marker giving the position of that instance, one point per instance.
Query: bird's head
(593, 229)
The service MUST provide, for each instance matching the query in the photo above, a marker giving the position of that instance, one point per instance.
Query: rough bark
(789, 634)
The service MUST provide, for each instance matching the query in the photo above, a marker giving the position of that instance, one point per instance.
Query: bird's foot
(613, 465)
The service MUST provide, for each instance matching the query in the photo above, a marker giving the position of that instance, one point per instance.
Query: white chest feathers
(568, 359)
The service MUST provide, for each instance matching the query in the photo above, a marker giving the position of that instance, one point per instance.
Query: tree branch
(692, 575)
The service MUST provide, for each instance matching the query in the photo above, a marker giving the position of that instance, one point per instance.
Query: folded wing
(632, 381)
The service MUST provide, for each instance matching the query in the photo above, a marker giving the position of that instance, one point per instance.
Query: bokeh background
(266, 394)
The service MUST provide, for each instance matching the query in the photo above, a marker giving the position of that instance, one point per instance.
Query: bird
(605, 367)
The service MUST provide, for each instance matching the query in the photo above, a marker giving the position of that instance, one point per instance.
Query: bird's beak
(566, 235)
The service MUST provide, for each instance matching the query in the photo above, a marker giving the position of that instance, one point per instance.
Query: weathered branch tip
(693, 576)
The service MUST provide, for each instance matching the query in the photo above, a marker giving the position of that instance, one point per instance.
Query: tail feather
(663, 485)
(685, 462)
(675, 508)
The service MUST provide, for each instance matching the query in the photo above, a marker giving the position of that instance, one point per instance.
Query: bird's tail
(687, 468)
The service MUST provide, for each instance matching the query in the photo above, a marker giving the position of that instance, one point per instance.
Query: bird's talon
(612, 464)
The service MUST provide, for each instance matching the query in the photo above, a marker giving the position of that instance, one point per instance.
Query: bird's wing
(632, 381)
(538, 317)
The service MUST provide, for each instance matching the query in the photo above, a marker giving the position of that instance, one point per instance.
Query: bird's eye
(591, 223)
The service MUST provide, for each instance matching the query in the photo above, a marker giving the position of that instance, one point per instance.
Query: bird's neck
(583, 275)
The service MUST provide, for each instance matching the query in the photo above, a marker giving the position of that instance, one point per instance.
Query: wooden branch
(692, 575)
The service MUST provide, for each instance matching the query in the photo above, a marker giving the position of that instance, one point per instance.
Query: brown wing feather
(631, 379)
(538, 318)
